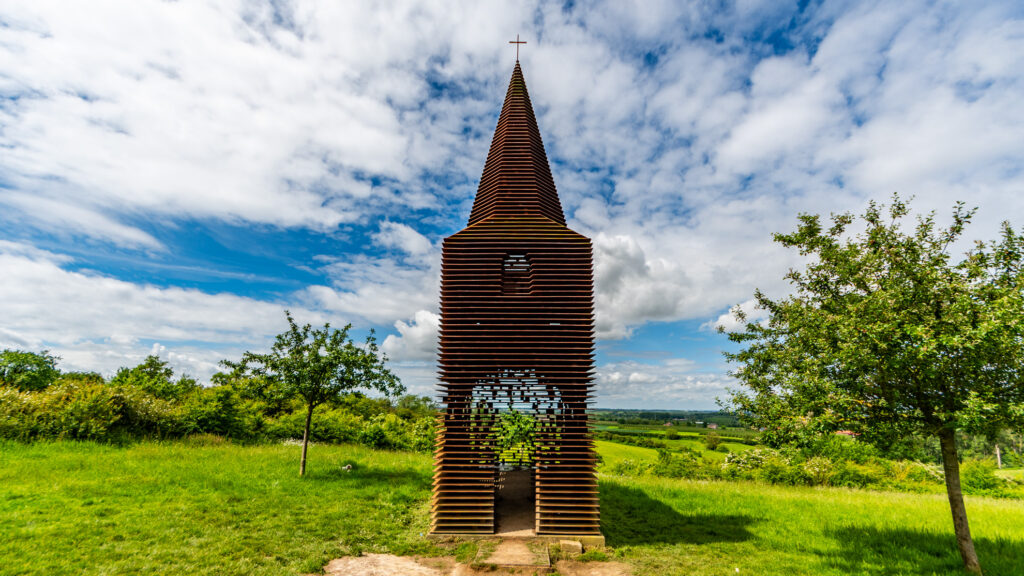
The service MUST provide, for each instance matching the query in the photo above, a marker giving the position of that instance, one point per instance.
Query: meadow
(212, 507)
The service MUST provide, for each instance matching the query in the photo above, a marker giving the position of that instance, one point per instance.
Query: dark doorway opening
(522, 413)
(515, 502)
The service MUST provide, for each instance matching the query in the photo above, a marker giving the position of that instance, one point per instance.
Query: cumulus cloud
(730, 322)
(292, 114)
(403, 238)
(377, 291)
(680, 135)
(95, 322)
(674, 382)
(416, 340)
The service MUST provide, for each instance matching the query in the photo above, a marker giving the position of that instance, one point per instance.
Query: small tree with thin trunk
(317, 366)
(884, 335)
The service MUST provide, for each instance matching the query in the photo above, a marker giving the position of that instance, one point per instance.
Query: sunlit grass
(82, 508)
(71, 508)
(1012, 473)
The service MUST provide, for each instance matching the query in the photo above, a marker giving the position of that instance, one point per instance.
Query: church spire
(517, 179)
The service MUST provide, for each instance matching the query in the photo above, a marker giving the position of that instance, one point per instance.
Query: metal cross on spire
(517, 43)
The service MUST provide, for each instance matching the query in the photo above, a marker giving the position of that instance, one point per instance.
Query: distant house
(712, 426)
(668, 423)
(850, 433)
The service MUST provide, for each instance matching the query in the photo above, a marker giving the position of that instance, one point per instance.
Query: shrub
(143, 415)
(837, 447)
(374, 435)
(69, 410)
(819, 471)
(632, 468)
(979, 477)
(212, 410)
(712, 440)
(777, 469)
(854, 475)
(745, 464)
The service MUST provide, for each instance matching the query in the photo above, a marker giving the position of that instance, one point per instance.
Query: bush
(712, 440)
(143, 415)
(632, 439)
(69, 410)
(212, 410)
(778, 469)
(819, 471)
(838, 447)
(854, 475)
(979, 477)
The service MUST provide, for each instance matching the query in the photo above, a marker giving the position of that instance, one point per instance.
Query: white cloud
(416, 340)
(679, 141)
(731, 323)
(404, 238)
(293, 114)
(96, 322)
(630, 289)
(675, 383)
(378, 290)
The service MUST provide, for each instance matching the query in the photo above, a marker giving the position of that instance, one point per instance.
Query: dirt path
(388, 565)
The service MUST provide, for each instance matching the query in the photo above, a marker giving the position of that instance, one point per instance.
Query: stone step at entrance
(514, 553)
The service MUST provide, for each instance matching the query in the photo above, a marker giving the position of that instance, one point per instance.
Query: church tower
(515, 451)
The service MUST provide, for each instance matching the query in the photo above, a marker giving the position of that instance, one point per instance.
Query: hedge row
(90, 410)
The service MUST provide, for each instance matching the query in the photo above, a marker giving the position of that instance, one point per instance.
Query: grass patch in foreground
(172, 508)
(665, 526)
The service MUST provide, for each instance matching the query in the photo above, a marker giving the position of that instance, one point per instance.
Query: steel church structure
(517, 334)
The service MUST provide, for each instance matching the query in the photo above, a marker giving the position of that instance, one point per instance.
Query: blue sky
(173, 175)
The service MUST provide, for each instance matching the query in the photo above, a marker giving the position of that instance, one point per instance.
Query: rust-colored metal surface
(517, 334)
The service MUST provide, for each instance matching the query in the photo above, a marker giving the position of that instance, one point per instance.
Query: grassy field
(1012, 473)
(82, 508)
(71, 508)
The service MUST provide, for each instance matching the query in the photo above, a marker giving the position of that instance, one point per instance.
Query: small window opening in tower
(516, 275)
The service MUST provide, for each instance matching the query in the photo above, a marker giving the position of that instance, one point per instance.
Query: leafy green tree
(885, 335)
(28, 371)
(410, 406)
(155, 376)
(712, 440)
(516, 437)
(317, 366)
(82, 377)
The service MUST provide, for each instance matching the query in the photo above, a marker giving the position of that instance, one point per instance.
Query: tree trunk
(999, 458)
(305, 440)
(951, 467)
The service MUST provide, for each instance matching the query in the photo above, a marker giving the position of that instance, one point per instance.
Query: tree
(712, 441)
(886, 336)
(154, 376)
(317, 366)
(28, 371)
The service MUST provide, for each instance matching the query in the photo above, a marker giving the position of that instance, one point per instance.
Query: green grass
(664, 526)
(612, 452)
(1012, 474)
(82, 508)
(79, 508)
